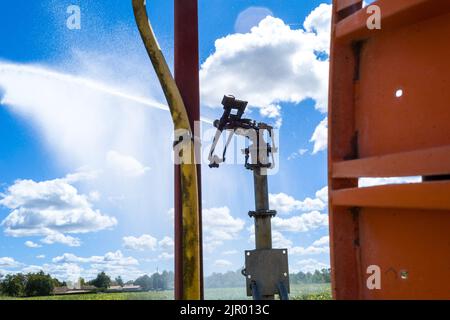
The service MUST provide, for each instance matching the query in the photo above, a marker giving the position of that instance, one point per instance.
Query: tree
(14, 285)
(102, 281)
(119, 281)
(145, 282)
(39, 284)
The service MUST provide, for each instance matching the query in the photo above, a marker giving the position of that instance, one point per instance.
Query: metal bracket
(268, 271)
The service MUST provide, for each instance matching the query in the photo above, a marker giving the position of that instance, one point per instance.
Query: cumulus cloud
(50, 209)
(60, 238)
(110, 258)
(166, 243)
(8, 262)
(320, 136)
(319, 246)
(324, 241)
(144, 242)
(69, 267)
(31, 244)
(221, 263)
(302, 223)
(310, 265)
(218, 226)
(271, 64)
(279, 240)
(124, 164)
(166, 256)
(322, 194)
(284, 203)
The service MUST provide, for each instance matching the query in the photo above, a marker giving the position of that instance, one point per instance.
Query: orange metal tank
(389, 116)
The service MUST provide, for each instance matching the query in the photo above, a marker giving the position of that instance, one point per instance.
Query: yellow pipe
(189, 185)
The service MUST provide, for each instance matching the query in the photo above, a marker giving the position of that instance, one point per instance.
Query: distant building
(68, 290)
(125, 288)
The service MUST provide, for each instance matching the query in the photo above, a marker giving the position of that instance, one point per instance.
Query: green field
(298, 291)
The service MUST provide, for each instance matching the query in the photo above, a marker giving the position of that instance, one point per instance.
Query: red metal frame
(404, 229)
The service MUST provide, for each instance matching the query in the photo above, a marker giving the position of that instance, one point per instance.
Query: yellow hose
(183, 131)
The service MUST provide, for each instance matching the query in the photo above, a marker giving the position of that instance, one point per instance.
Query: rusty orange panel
(395, 14)
(389, 116)
(408, 243)
(415, 60)
(426, 162)
(427, 195)
(345, 4)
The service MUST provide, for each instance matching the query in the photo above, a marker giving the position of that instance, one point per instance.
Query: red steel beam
(187, 79)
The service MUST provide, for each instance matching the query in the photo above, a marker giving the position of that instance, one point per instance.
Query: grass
(298, 292)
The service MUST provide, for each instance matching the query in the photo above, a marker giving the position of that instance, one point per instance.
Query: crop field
(298, 291)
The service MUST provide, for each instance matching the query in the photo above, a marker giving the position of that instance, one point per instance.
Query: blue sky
(85, 165)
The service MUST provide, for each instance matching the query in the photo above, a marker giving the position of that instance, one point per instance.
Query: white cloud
(110, 258)
(166, 256)
(41, 256)
(8, 262)
(166, 243)
(284, 203)
(279, 241)
(310, 265)
(218, 226)
(124, 164)
(229, 252)
(144, 242)
(311, 250)
(51, 209)
(322, 194)
(31, 244)
(270, 111)
(319, 246)
(319, 22)
(302, 223)
(221, 263)
(320, 136)
(61, 239)
(324, 241)
(297, 154)
(271, 64)
(371, 182)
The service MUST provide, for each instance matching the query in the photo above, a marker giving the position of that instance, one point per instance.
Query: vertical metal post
(186, 67)
(262, 214)
(263, 229)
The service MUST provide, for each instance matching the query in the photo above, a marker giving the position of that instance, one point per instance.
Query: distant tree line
(28, 285)
(41, 284)
(234, 279)
(322, 276)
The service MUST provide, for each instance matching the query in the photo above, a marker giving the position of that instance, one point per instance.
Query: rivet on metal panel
(249, 276)
(285, 274)
(404, 274)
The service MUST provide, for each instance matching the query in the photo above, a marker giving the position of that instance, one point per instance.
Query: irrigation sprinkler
(266, 269)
